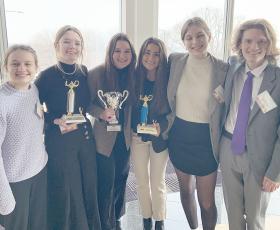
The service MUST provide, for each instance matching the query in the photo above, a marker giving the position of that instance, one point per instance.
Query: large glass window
(173, 14)
(35, 22)
(251, 9)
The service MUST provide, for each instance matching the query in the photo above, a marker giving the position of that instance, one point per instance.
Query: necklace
(61, 69)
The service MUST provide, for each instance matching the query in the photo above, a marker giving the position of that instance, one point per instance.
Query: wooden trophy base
(147, 129)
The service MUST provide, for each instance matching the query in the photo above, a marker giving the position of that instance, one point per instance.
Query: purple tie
(238, 142)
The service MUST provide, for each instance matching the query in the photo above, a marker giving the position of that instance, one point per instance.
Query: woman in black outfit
(72, 183)
(113, 147)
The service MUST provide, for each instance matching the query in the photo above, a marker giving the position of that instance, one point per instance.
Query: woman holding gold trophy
(112, 96)
(72, 182)
(149, 150)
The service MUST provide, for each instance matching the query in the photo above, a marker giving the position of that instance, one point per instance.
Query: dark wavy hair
(159, 91)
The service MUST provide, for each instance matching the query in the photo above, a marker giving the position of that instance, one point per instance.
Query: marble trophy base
(147, 129)
(113, 127)
(74, 118)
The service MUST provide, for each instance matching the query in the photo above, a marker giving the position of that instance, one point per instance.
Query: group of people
(56, 174)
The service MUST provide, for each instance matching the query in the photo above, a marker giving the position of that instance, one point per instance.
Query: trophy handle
(125, 96)
(150, 97)
(101, 95)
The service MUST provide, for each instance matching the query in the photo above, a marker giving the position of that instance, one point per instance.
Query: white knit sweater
(194, 90)
(22, 153)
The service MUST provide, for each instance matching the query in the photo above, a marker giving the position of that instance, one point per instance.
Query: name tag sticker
(39, 110)
(219, 94)
(265, 102)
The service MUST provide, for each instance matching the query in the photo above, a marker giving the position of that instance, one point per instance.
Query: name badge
(219, 94)
(39, 110)
(265, 102)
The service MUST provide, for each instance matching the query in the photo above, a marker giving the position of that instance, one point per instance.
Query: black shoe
(147, 224)
(118, 225)
(159, 225)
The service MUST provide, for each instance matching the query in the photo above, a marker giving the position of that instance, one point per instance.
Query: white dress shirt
(238, 83)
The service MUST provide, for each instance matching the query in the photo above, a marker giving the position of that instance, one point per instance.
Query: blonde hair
(65, 29)
(266, 28)
(195, 21)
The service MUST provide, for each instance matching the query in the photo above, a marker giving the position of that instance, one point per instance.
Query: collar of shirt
(257, 72)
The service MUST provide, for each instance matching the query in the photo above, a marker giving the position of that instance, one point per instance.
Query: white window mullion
(3, 35)
(228, 26)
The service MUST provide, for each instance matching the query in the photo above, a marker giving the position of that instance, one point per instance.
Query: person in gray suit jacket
(113, 147)
(250, 147)
(195, 97)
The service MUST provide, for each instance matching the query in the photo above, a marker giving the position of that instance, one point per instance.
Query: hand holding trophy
(68, 122)
(113, 101)
(143, 127)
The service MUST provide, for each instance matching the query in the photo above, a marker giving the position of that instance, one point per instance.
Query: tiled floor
(175, 215)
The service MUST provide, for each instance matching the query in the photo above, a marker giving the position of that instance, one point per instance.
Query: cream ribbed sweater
(194, 90)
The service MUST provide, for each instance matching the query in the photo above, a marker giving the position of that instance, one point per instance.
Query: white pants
(149, 168)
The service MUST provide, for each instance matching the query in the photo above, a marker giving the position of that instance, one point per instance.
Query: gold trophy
(70, 117)
(113, 100)
(143, 127)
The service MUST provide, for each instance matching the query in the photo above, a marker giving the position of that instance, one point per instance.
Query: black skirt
(190, 148)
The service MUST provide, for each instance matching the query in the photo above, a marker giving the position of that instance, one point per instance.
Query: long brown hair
(110, 82)
(159, 91)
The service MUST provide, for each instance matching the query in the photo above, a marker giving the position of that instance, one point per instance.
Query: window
(251, 9)
(173, 14)
(35, 22)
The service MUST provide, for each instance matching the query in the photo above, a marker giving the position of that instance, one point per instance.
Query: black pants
(72, 182)
(30, 212)
(112, 176)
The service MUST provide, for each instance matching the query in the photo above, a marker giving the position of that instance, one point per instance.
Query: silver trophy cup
(113, 100)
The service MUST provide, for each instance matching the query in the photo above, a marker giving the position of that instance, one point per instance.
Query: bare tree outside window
(215, 20)
(35, 22)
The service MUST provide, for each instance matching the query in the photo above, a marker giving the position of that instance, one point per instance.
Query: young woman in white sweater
(195, 96)
(23, 177)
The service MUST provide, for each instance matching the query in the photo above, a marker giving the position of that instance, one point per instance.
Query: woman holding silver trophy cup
(148, 149)
(72, 182)
(112, 96)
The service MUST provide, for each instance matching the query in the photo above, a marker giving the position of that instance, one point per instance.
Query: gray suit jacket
(262, 139)
(177, 63)
(104, 140)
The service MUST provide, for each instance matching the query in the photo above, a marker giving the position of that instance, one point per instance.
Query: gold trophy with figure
(70, 117)
(113, 100)
(143, 127)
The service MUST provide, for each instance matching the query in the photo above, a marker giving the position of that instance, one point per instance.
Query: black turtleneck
(52, 90)
(67, 68)
(122, 78)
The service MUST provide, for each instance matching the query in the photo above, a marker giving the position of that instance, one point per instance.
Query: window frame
(132, 23)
